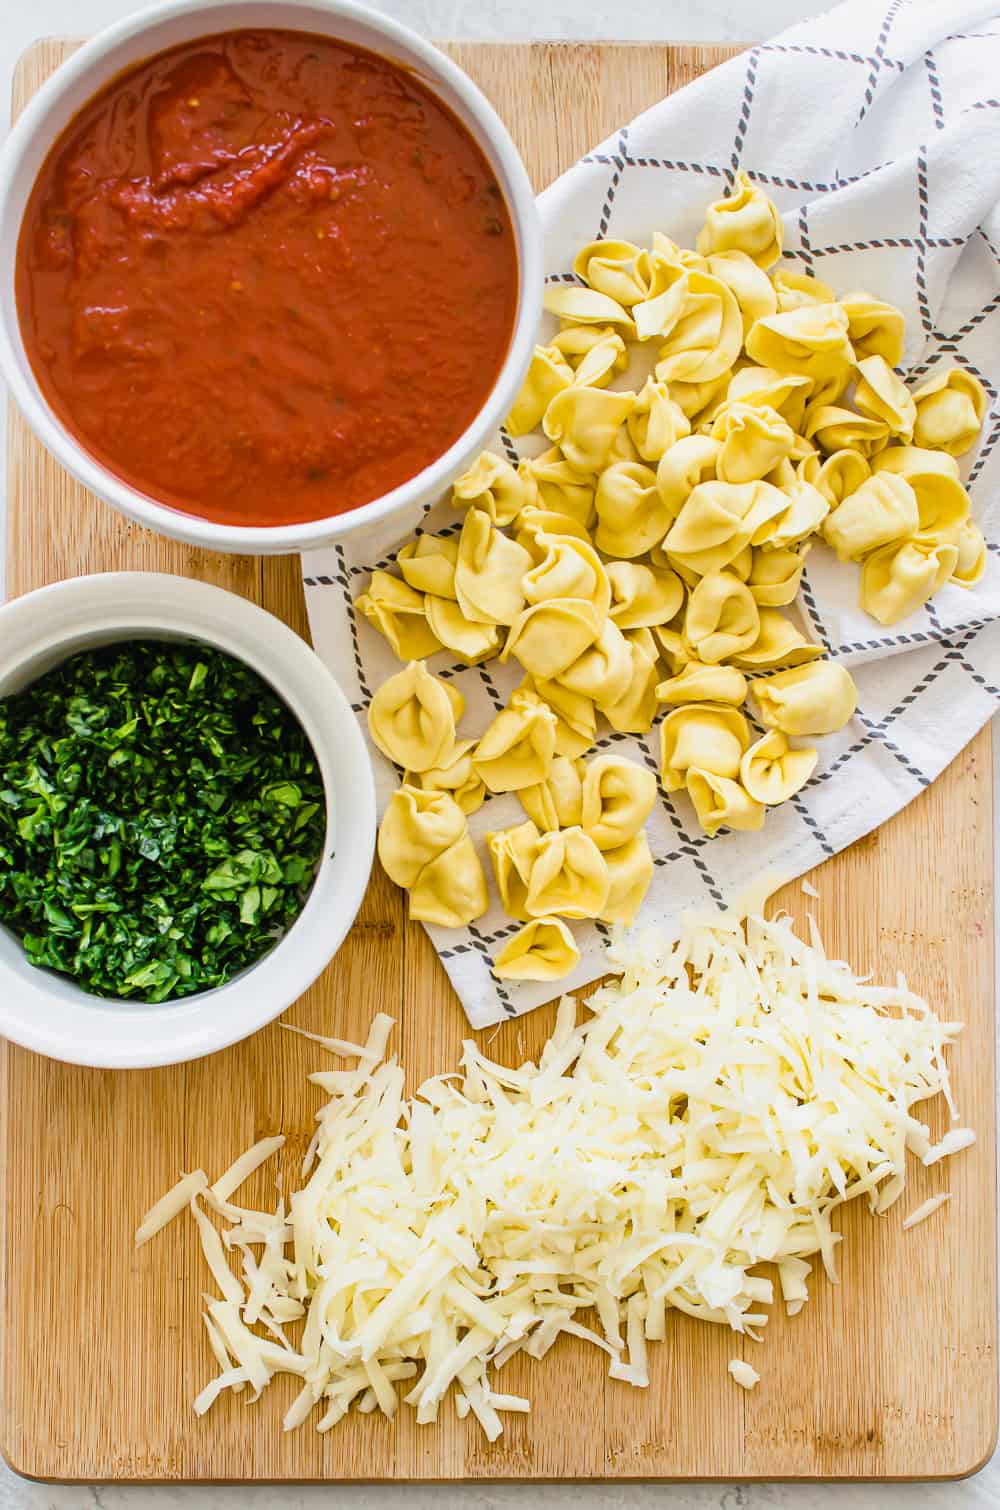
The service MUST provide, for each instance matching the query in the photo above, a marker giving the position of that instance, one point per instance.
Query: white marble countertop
(21, 22)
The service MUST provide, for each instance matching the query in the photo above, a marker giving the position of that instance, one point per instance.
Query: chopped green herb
(161, 819)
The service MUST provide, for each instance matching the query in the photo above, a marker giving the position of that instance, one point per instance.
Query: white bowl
(46, 1011)
(178, 21)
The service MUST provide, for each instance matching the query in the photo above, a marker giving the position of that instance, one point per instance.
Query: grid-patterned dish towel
(878, 135)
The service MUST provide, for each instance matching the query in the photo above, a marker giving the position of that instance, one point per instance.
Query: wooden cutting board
(893, 1374)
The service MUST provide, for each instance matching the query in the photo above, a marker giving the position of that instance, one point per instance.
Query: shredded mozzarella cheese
(745, 1374)
(925, 1209)
(724, 1096)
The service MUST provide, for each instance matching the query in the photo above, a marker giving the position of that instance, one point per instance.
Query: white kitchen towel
(877, 133)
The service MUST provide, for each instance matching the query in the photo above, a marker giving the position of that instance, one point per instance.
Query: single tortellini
(489, 573)
(630, 870)
(692, 460)
(543, 949)
(604, 670)
(771, 771)
(451, 889)
(457, 777)
(916, 461)
(548, 374)
(412, 718)
(703, 334)
(950, 409)
(536, 527)
(656, 422)
(494, 486)
(642, 596)
(615, 268)
(575, 305)
(805, 511)
(971, 564)
(395, 610)
(779, 643)
(721, 618)
(512, 852)
(561, 488)
(576, 719)
(605, 358)
(942, 502)
(634, 710)
(518, 748)
(584, 423)
(698, 683)
(875, 328)
(792, 290)
(899, 578)
(718, 522)
(416, 827)
(720, 802)
(775, 576)
(568, 877)
(548, 637)
(749, 285)
(631, 514)
(818, 698)
(881, 510)
(787, 393)
(471, 642)
(556, 802)
(708, 736)
(571, 568)
(880, 394)
(753, 439)
(699, 400)
(812, 340)
(428, 564)
(618, 797)
(838, 475)
(834, 429)
(745, 220)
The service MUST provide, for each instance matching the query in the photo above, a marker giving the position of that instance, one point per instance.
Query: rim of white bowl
(491, 135)
(46, 1012)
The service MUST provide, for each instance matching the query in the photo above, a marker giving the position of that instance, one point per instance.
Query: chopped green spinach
(161, 818)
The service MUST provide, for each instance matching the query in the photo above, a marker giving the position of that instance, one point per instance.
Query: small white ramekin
(48, 1012)
(166, 25)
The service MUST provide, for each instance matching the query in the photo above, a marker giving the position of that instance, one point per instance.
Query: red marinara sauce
(265, 277)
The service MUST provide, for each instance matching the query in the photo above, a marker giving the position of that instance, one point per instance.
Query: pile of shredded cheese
(726, 1093)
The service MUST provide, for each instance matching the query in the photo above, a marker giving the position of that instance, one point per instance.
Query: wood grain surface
(891, 1374)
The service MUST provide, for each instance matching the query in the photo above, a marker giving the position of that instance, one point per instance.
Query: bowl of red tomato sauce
(270, 270)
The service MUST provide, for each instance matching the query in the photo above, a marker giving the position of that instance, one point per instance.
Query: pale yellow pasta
(881, 394)
(787, 393)
(804, 513)
(451, 891)
(834, 428)
(881, 510)
(771, 771)
(396, 611)
(416, 827)
(412, 718)
(646, 641)
(543, 949)
(656, 422)
(942, 502)
(642, 596)
(703, 334)
(690, 461)
(839, 474)
(971, 564)
(818, 698)
(631, 514)
(698, 683)
(457, 777)
(471, 642)
(753, 440)
(831, 387)
(950, 409)
(744, 220)
(775, 576)
(721, 618)
(576, 719)
(604, 669)
(571, 568)
(568, 877)
(494, 486)
(489, 573)
(792, 290)
(587, 306)
(778, 643)
(875, 328)
(604, 360)
(699, 400)
(615, 268)
(709, 736)
(556, 802)
(618, 797)
(518, 748)
(720, 802)
(718, 521)
(561, 488)
(633, 712)
(749, 285)
(548, 637)
(916, 461)
(548, 374)
(428, 564)
(812, 340)
(512, 853)
(537, 526)
(630, 870)
(622, 448)
(584, 423)
(899, 578)
(740, 564)
(673, 648)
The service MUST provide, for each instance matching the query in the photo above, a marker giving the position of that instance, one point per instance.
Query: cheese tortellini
(617, 798)
(745, 221)
(543, 949)
(950, 409)
(412, 718)
(819, 698)
(518, 748)
(772, 771)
